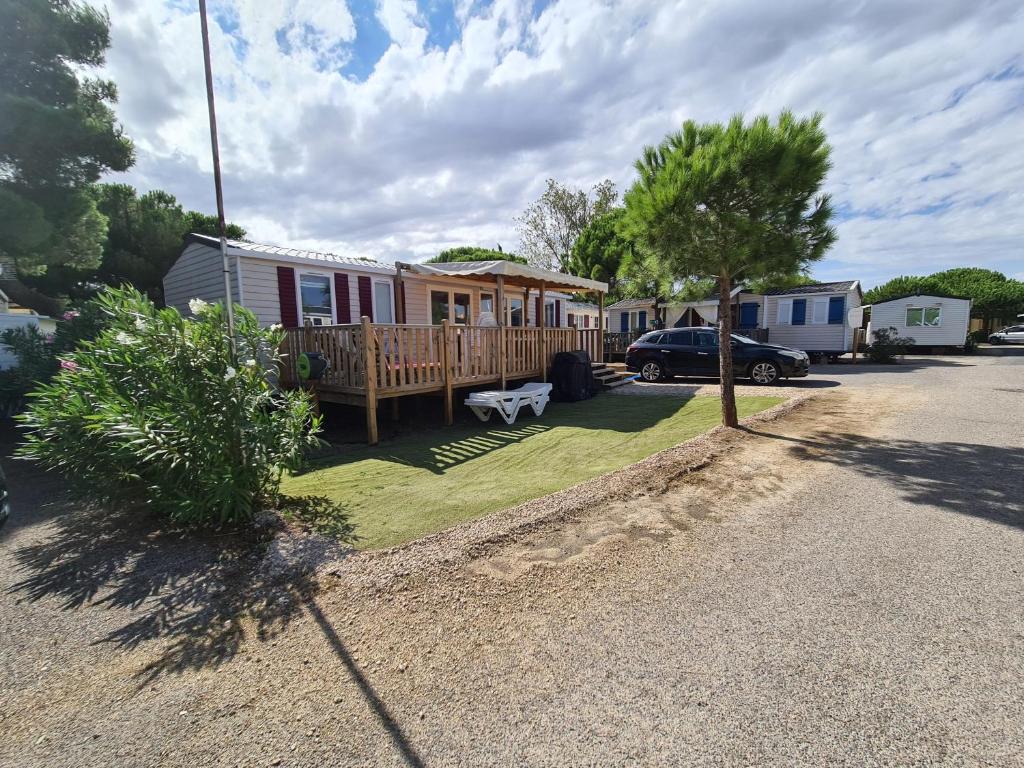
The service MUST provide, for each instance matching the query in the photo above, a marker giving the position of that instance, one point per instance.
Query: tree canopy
(734, 201)
(58, 134)
(600, 250)
(992, 294)
(550, 226)
(473, 253)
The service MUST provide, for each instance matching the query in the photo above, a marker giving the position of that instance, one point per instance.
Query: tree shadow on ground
(189, 593)
(967, 478)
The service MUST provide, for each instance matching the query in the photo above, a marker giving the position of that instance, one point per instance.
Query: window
(515, 312)
(785, 311)
(683, 338)
(705, 339)
(450, 306)
(486, 303)
(438, 307)
(549, 314)
(383, 312)
(924, 317)
(819, 312)
(315, 293)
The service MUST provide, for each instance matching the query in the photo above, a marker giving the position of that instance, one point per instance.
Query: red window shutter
(365, 297)
(536, 311)
(286, 297)
(341, 296)
(568, 319)
(586, 321)
(558, 313)
(405, 319)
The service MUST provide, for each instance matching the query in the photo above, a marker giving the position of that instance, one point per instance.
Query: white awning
(708, 312)
(514, 274)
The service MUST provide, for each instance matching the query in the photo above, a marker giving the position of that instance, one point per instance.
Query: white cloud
(924, 104)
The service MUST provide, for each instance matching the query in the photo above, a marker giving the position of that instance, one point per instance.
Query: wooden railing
(410, 358)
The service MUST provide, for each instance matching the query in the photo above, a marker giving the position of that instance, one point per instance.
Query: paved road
(846, 588)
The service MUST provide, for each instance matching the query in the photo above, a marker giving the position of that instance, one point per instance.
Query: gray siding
(810, 336)
(197, 275)
(955, 319)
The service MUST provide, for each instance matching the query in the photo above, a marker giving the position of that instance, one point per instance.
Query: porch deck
(370, 362)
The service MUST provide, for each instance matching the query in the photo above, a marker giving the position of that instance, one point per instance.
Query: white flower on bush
(198, 306)
(251, 362)
(124, 338)
(140, 323)
(276, 327)
(230, 373)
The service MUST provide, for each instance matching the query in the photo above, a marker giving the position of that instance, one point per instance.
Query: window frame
(373, 297)
(329, 276)
(922, 309)
(452, 291)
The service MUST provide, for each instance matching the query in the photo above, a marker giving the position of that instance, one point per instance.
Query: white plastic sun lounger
(508, 402)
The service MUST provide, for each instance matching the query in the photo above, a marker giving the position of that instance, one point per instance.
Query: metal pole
(222, 227)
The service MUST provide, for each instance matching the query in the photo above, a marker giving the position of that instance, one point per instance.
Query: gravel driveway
(841, 587)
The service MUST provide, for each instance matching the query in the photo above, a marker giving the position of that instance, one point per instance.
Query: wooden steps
(611, 375)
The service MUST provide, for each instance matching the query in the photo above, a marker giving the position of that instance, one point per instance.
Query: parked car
(694, 352)
(1013, 334)
(5, 502)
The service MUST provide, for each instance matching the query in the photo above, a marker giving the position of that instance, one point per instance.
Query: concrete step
(618, 382)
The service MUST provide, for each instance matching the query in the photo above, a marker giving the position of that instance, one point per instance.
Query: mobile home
(931, 321)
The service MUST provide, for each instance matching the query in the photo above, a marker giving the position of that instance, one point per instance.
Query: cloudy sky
(396, 128)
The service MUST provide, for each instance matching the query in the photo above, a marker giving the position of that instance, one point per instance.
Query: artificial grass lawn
(432, 480)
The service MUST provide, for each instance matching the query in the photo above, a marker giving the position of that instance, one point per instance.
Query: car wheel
(764, 372)
(994, 340)
(652, 371)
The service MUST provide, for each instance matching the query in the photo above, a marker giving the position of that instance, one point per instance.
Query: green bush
(159, 410)
(886, 344)
(979, 336)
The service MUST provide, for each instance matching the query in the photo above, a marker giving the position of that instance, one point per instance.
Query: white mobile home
(931, 321)
(819, 318)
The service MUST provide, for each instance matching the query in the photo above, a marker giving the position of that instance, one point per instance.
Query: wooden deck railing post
(370, 365)
(502, 345)
(600, 327)
(446, 372)
(542, 324)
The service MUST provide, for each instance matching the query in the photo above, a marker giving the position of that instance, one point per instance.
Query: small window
(315, 291)
(682, 338)
(655, 338)
(438, 307)
(383, 312)
(515, 313)
(486, 302)
(924, 317)
(819, 312)
(461, 307)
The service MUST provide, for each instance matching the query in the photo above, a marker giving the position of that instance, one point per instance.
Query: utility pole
(222, 226)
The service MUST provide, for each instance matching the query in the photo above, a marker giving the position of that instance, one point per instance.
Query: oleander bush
(160, 410)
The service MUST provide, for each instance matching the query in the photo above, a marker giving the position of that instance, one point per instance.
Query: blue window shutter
(624, 322)
(836, 310)
(748, 314)
(641, 319)
(799, 311)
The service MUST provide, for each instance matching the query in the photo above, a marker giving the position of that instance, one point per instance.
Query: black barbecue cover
(572, 377)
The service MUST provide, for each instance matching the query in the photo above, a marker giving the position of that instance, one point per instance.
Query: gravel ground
(841, 586)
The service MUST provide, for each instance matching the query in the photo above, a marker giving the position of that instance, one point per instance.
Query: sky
(397, 128)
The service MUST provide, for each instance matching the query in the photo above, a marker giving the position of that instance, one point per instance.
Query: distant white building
(19, 317)
(931, 321)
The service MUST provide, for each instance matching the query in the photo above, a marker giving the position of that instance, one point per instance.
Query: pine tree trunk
(729, 417)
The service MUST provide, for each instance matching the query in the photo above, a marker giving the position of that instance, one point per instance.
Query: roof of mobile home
(842, 285)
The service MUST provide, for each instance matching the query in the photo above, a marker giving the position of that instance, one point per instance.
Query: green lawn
(432, 480)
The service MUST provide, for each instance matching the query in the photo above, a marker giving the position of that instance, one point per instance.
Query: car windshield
(743, 339)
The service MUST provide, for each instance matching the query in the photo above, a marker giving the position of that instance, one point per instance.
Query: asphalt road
(845, 587)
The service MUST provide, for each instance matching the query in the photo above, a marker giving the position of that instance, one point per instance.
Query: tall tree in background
(473, 253)
(731, 202)
(58, 134)
(550, 227)
(600, 250)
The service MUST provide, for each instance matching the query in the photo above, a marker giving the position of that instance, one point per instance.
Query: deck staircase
(611, 375)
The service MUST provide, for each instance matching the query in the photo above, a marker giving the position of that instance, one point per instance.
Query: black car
(694, 352)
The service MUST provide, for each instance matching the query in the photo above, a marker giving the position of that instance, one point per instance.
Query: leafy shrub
(886, 344)
(979, 336)
(159, 410)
